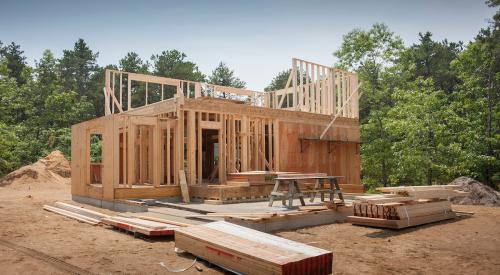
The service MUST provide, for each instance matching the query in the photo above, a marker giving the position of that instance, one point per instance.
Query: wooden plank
(184, 187)
(168, 154)
(71, 215)
(199, 150)
(164, 221)
(244, 143)
(191, 146)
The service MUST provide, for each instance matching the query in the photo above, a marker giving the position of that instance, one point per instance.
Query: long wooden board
(184, 187)
(248, 251)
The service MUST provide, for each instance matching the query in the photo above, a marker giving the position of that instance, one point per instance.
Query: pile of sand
(478, 193)
(53, 169)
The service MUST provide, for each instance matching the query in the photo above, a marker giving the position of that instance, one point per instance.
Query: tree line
(429, 111)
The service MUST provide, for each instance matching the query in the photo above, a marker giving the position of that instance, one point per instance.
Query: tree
(431, 59)
(133, 63)
(222, 75)
(16, 62)
(9, 159)
(77, 66)
(173, 64)
(421, 147)
(476, 100)
(279, 81)
(370, 53)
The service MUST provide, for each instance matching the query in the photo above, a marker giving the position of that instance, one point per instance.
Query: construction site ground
(33, 241)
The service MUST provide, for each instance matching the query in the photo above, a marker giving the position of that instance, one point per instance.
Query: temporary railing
(125, 91)
(317, 89)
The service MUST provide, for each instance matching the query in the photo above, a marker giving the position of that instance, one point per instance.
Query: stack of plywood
(249, 251)
(405, 206)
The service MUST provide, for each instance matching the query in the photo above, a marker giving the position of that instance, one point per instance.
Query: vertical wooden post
(307, 95)
(294, 82)
(276, 145)
(132, 137)
(270, 143)
(191, 145)
(301, 87)
(180, 141)
(129, 93)
(222, 163)
(117, 121)
(263, 143)
(125, 150)
(199, 149)
(167, 156)
(333, 88)
(244, 143)
(157, 156)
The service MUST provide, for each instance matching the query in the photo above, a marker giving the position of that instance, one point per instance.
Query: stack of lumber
(249, 251)
(76, 212)
(425, 192)
(144, 225)
(138, 225)
(404, 206)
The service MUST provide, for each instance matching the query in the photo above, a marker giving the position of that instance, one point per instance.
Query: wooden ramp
(248, 251)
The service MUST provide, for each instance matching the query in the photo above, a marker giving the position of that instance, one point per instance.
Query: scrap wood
(464, 212)
(184, 186)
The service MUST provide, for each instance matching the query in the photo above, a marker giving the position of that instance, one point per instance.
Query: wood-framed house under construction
(155, 127)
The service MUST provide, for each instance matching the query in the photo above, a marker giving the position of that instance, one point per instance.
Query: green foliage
(133, 63)
(96, 149)
(173, 64)
(279, 81)
(222, 75)
(16, 62)
(429, 112)
(9, 159)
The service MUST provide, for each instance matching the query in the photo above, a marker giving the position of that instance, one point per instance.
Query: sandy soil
(463, 246)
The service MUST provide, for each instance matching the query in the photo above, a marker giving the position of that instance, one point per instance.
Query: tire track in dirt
(55, 262)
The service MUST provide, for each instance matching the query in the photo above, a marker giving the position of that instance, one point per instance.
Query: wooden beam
(244, 143)
(191, 147)
(184, 186)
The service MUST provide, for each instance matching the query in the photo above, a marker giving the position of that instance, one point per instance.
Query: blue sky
(255, 38)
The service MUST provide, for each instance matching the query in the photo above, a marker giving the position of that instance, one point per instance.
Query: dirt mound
(479, 193)
(54, 168)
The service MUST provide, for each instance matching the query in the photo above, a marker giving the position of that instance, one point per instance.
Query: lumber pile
(249, 251)
(143, 225)
(405, 206)
(76, 212)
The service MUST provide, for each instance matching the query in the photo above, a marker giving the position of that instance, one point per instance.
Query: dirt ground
(462, 246)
